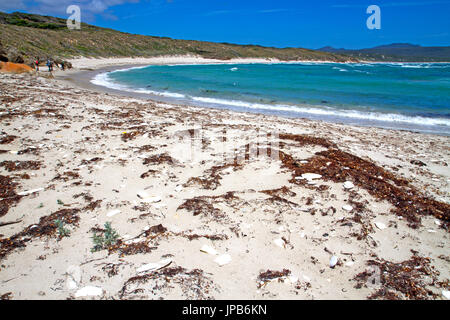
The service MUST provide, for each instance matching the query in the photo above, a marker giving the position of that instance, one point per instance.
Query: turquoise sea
(411, 96)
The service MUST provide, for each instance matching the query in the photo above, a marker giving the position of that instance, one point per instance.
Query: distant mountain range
(400, 52)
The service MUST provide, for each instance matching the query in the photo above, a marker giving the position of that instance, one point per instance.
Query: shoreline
(89, 68)
(194, 225)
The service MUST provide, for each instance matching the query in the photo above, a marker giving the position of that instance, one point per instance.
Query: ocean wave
(417, 65)
(353, 114)
(340, 69)
(103, 79)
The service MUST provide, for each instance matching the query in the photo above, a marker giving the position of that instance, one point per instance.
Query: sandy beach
(210, 204)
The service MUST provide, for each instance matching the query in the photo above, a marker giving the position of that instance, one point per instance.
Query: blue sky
(281, 23)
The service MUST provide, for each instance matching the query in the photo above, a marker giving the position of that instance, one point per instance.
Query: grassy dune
(34, 35)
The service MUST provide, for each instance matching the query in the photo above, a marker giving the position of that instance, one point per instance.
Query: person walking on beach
(49, 65)
(36, 63)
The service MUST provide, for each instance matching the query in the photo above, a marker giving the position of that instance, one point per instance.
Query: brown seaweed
(8, 194)
(339, 166)
(159, 159)
(269, 275)
(20, 165)
(45, 227)
(404, 280)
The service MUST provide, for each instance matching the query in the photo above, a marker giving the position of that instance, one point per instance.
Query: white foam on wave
(130, 68)
(354, 114)
(103, 79)
(340, 69)
(417, 65)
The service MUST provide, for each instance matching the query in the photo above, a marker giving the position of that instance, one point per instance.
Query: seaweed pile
(270, 275)
(404, 280)
(339, 166)
(7, 139)
(199, 205)
(193, 284)
(8, 195)
(159, 159)
(213, 176)
(47, 226)
(20, 165)
(145, 246)
(204, 205)
(127, 136)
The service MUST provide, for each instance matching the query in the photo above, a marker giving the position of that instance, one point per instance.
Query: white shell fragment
(73, 277)
(113, 213)
(223, 259)
(380, 225)
(333, 261)
(89, 291)
(279, 242)
(154, 266)
(347, 208)
(24, 193)
(208, 249)
(152, 199)
(309, 176)
(147, 198)
(446, 294)
(348, 185)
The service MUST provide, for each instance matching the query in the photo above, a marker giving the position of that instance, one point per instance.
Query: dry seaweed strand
(339, 166)
(145, 246)
(7, 139)
(202, 205)
(269, 275)
(127, 136)
(401, 280)
(191, 282)
(20, 165)
(8, 194)
(6, 296)
(159, 159)
(45, 227)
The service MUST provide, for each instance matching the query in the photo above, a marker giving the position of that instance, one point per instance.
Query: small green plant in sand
(60, 202)
(105, 240)
(62, 231)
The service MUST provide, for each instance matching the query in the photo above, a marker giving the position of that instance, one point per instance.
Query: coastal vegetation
(27, 36)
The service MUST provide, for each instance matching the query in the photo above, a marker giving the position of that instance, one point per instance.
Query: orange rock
(14, 67)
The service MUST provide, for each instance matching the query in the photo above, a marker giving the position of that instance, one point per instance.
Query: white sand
(85, 156)
(96, 63)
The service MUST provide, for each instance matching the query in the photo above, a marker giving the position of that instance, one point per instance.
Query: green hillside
(28, 36)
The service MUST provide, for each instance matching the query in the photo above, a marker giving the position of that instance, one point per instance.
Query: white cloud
(7, 5)
(89, 8)
(394, 4)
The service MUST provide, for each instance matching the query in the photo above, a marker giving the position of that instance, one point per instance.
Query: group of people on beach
(49, 64)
